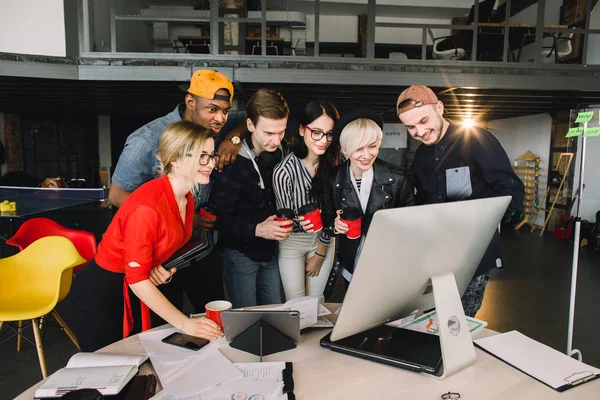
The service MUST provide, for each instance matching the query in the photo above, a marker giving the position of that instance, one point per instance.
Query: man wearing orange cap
(207, 103)
(455, 163)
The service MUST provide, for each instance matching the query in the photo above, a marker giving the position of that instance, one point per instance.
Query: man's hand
(273, 230)
(228, 153)
(204, 223)
(159, 275)
(202, 327)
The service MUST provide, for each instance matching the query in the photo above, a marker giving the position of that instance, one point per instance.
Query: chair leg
(68, 331)
(40, 349)
(1, 325)
(19, 332)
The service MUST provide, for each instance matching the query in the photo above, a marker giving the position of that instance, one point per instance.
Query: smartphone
(186, 341)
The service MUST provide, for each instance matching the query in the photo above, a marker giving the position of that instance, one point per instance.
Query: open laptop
(404, 249)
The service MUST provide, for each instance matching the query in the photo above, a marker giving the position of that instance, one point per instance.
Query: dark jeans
(251, 283)
(472, 299)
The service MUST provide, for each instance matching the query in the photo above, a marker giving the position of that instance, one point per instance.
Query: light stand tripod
(576, 241)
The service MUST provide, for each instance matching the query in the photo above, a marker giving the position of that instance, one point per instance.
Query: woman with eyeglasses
(306, 257)
(152, 223)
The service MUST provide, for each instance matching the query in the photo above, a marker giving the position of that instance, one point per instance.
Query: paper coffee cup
(311, 213)
(353, 218)
(214, 309)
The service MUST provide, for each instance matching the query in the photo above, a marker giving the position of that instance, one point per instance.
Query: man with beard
(207, 103)
(455, 163)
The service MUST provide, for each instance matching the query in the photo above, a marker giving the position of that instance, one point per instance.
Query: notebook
(537, 360)
(108, 373)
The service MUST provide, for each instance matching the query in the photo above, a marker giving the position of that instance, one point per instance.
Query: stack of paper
(311, 312)
(207, 375)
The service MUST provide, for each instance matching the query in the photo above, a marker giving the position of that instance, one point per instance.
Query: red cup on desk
(311, 213)
(214, 309)
(353, 218)
(285, 214)
(208, 211)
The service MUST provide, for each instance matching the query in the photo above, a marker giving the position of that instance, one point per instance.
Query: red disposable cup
(214, 309)
(353, 219)
(311, 213)
(208, 211)
(285, 214)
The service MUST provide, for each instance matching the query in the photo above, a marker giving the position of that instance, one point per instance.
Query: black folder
(195, 249)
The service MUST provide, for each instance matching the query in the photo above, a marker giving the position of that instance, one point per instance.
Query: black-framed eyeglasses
(317, 134)
(205, 158)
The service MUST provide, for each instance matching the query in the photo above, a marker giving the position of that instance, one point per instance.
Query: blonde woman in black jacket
(363, 184)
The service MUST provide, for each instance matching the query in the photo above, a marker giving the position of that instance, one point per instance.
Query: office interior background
(78, 76)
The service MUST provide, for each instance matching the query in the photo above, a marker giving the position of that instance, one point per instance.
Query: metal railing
(476, 28)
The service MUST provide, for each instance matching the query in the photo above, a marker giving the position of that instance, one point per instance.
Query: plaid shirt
(241, 205)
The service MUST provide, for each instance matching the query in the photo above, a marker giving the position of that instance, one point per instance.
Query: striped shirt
(292, 183)
(358, 181)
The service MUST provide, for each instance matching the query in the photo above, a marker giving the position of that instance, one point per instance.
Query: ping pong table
(35, 200)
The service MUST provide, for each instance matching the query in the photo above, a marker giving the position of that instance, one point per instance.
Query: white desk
(320, 373)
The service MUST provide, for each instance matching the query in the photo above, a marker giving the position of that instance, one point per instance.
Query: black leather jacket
(391, 189)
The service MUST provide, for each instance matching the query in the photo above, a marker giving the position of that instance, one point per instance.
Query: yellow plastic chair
(34, 280)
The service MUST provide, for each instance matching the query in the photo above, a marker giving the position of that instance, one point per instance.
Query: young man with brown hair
(455, 163)
(246, 206)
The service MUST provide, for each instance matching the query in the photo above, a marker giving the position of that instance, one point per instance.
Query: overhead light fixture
(468, 123)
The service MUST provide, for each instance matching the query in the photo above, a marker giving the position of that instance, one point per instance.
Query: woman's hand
(159, 275)
(339, 226)
(306, 224)
(313, 265)
(202, 327)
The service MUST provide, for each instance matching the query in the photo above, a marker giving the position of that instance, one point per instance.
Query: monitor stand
(455, 338)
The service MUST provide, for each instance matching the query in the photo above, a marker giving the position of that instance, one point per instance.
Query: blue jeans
(251, 283)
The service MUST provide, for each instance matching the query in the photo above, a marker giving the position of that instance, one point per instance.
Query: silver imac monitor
(407, 246)
(411, 253)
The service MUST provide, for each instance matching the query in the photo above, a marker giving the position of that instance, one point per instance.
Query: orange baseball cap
(205, 83)
(415, 96)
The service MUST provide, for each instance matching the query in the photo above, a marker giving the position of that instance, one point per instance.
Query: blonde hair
(359, 133)
(177, 141)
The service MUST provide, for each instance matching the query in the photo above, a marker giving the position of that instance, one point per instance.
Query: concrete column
(104, 149)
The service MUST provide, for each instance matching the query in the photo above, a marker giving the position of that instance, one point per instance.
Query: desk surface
(320, 373)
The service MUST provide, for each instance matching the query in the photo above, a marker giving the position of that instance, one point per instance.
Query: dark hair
(266, 103)
(327, 161)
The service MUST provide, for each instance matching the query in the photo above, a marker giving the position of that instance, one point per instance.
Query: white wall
(593, 55)
(591, 193)
(333, 28)
(529, 16)
(33, 27)
(408, 35)
(532, 132)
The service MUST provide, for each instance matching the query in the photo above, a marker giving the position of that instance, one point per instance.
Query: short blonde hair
(178, 140)
(359, 133)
